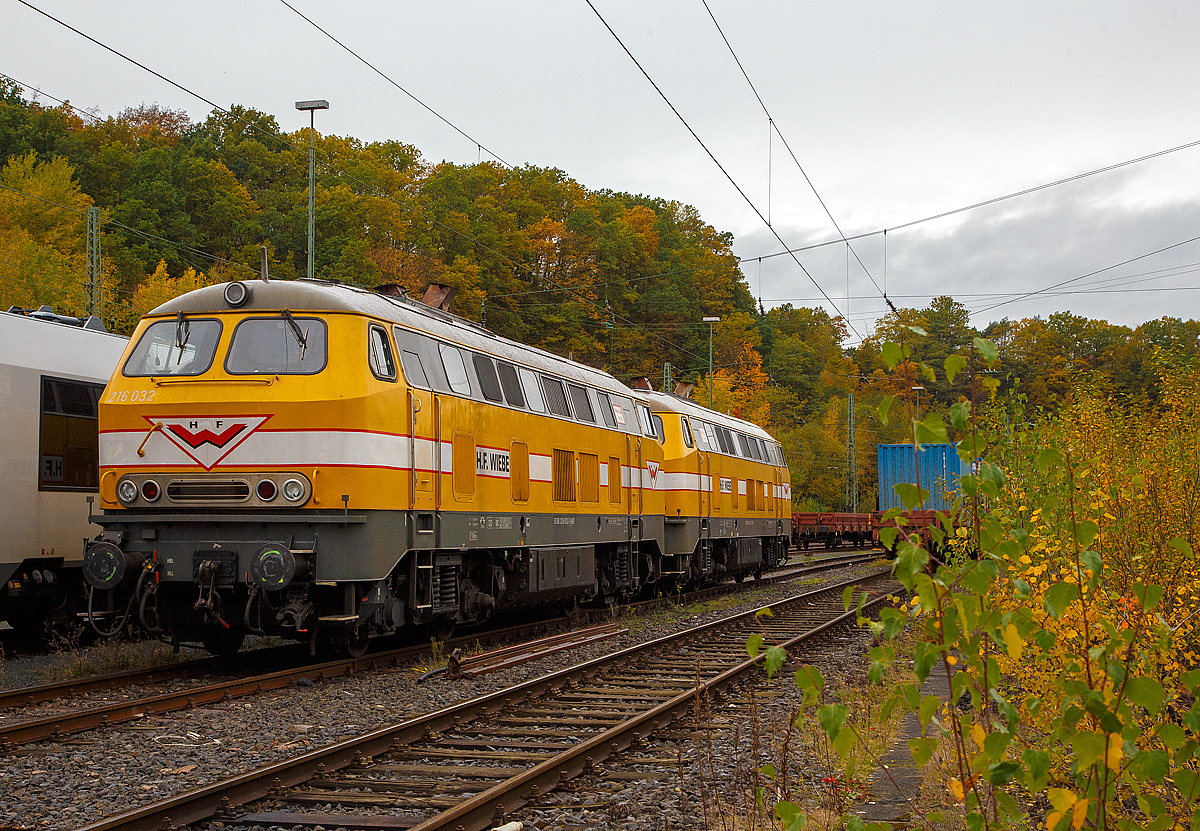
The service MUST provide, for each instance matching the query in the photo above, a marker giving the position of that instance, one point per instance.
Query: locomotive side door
(705, 466)
(422, 485)
(416, 364)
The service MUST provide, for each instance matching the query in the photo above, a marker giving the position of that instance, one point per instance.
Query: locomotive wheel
(224, 642)
(444, 629)
(356, 647)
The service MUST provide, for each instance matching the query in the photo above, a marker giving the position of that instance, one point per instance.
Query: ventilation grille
(230, 490)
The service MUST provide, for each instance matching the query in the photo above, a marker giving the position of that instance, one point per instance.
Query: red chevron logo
(194, 440)
(208, 440)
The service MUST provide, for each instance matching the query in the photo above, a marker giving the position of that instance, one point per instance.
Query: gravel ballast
(85, 778)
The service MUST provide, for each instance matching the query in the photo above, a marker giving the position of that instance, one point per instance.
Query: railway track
(469, 766)
(249, 679)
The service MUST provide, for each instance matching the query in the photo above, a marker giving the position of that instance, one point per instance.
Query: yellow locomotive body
(320, 461)
(726, 490)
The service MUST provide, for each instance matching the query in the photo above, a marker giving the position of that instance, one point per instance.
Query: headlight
(236, 294)
(293, 490)
(150, 490)
(127, 491)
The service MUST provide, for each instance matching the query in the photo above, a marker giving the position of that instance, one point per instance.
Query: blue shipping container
(940, 468)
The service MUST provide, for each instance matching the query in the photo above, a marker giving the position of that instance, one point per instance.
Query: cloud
(1096, 239)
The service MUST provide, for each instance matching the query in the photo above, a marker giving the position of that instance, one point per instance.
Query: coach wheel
(739, 577)
(224, 642)
(32, 626)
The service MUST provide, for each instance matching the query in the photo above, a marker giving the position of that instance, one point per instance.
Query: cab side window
(379, 354)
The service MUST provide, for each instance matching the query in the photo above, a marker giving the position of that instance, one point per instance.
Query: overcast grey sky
(897, 111)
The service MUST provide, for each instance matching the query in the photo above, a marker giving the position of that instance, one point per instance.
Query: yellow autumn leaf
(956, 789)
(1079, 814)
(1013, 642)
(1052, 819)
(1061, 799)
(977, 735)
(951, 660)
(1115, 751)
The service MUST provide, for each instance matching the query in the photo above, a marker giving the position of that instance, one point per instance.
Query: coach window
(181, 346)
(659, 431)
(533, 393)
(583, 407)
(556, 398)
(512, 387)
(485, 370)
(456, 370)
(379, 354)
(69, 444)
(687, 433)
(284, 345)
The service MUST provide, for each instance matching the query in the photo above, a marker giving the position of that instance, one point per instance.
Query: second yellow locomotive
(320, 461)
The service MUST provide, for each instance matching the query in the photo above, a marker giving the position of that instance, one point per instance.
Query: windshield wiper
(183, 330)
(301, 336)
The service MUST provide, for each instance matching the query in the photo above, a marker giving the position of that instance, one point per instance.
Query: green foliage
(616, 280)
(1070, 638)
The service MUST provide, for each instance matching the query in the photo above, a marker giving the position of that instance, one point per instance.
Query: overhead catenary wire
(710, 154)
(774, 127)
(327, 165)
(1089, 274)
(38, 91)
(982, 204)
(478, 145)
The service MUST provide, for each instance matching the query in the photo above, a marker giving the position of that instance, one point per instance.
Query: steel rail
(201, 803)
(27, 696)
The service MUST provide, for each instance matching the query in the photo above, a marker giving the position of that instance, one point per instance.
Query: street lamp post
(918, 390)
(710, 321)
(312, 107)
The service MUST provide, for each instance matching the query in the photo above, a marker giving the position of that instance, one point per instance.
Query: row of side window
(433, 365)
(717, 439)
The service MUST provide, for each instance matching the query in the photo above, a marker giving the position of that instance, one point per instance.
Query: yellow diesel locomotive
(324, 462)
